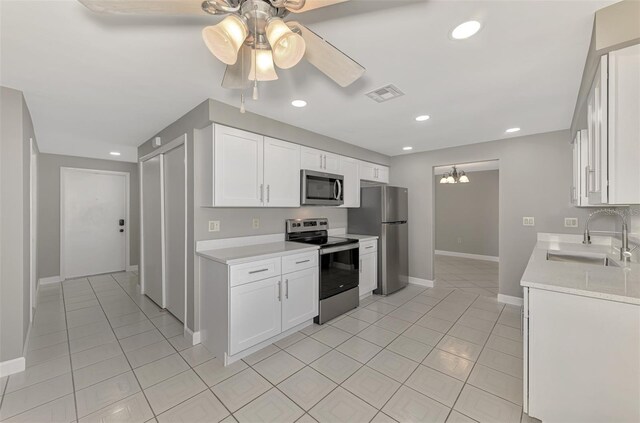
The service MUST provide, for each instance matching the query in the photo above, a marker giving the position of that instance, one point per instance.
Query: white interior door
(93, 203)
(175, 234)
(152, 230)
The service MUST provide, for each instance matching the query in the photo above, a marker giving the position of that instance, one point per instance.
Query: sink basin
(580, 258)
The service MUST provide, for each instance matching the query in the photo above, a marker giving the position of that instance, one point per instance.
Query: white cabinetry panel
(255, 313)
(373, 172)
(349, 169)
(281, 173)
(319, 160)
(238, 168)
(368, 273)
(300, 292)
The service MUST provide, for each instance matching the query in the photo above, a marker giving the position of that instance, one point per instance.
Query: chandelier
(454, 177)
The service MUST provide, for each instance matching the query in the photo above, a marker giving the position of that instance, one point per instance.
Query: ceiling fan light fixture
(225, 39)
(464, 179)
(299, 6)
(262, 68)
(288, 47)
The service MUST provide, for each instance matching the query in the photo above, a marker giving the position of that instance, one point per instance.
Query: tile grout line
(66, 324)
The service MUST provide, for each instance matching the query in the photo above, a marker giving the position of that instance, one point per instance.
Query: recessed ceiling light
(512, 130)
(115, 153)
(298, 103)
(422, 118)
(407, 148)
(465, 30)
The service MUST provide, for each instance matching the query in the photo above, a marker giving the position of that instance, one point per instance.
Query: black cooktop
(320, 240)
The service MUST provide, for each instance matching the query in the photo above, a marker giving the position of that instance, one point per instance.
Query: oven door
(321, 189)
(339, 269)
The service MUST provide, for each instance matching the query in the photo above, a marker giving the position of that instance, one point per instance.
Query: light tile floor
(100, 351)
(469, 275)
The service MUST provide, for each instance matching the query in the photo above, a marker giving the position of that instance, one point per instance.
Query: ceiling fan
(252, 38)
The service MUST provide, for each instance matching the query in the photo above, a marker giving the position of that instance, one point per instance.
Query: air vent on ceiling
(385, 93)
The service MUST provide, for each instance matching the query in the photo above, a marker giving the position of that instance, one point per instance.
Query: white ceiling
(100, 83)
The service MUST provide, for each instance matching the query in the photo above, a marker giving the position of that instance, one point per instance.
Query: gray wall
(535, 176)
(16, 129)
(49, 207)
(236, 222)
(467, 215)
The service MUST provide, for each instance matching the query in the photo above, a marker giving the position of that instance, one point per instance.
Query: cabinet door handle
(280, 291)
(321, 161)
(261, 193)
(370, 246)
(360, 265)
(258, 271)
(268, 193)
(303, 261)
(286, 289)
(325, 162)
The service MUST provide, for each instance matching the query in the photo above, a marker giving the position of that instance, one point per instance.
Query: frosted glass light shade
(464, 179)
(444, 180)
(262, 66)
(451, 180)
(225, 39)
(288, 47)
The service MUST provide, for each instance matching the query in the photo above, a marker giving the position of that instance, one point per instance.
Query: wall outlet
(214, 226)
(570, 222)
(528, 221)
(256, 223)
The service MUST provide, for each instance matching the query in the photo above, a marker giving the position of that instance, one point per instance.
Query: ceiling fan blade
(236, 77)
(300, 6)
(145, 7)
(328, 59)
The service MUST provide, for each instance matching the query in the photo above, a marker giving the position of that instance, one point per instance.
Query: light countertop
(358, 237)
(605, 282)
(248, 253)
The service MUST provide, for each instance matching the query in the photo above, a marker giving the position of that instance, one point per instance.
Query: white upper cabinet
(579, 193)
(610, 170)
(596, 172)
(238, 168)
(349, 169)
(624, 126)
(319, 160)
(281, 173)
(374, 172)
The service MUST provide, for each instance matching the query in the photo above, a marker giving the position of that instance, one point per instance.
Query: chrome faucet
(625, 252)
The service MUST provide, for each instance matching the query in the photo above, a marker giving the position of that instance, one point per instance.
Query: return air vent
(385, 93)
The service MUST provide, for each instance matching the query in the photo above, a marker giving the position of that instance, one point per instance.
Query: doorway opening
(466, 227)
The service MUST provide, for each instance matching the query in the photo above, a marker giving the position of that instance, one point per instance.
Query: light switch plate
(570, 222)
(256, 223)
(214, 226)
(528, 221)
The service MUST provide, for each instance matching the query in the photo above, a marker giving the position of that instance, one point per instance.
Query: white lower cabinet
(255, 313)
(300, 297)
(368, 267)
(581, 358)
(246, 306)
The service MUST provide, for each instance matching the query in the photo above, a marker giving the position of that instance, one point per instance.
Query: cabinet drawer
(299, 262)
(368, 246)
(254, 271)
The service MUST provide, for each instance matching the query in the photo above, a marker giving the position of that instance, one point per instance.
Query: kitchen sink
(580, 258)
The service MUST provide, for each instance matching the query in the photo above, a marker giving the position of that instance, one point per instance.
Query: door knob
(121, 230)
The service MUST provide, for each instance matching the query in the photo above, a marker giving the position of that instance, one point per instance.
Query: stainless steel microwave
(321, 189)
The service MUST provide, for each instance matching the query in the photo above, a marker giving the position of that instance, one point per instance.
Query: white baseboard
(508, 299)
(466, 255)
(10, 367)
(194, 337)
(421, 282)
(133, 268)
(50, 279)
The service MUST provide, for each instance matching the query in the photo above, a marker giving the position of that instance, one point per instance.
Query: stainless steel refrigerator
(384, 212)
